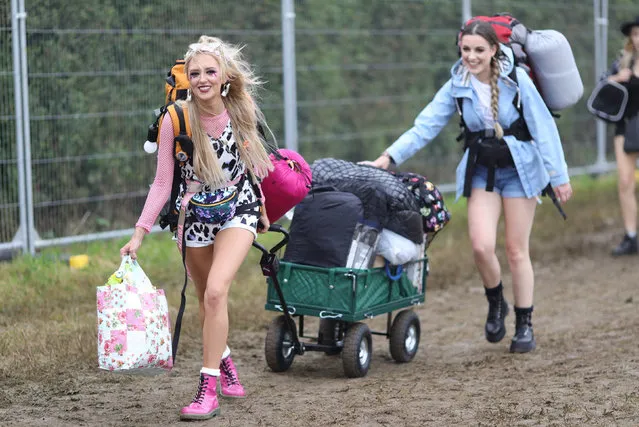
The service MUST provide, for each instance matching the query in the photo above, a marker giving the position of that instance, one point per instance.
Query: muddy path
(585, 370)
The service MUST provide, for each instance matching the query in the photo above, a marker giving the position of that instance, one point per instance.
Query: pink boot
(204, 404)
(229, 380)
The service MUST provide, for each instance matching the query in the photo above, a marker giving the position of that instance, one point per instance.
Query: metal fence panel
(89, 173)
(412, 76)
(9, 195)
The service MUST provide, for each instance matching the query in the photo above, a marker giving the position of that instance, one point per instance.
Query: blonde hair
(242, 109)
(627, 54)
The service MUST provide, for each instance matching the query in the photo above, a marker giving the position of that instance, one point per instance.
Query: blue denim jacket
(538, 162)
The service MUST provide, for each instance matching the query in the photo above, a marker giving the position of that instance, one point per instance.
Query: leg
(519, 214)
(484, 209)
(213, 268)
(626, 185)
(205, 404)
(230, 250)
(518, 217)
(627, 201)
(199, 261)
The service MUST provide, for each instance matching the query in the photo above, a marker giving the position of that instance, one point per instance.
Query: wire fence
(73, 169)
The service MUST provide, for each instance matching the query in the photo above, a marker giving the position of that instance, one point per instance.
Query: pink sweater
(161, 187)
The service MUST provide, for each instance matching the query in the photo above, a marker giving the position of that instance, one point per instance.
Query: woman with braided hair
(512, 153)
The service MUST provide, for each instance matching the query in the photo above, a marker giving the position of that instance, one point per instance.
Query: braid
(494, 98)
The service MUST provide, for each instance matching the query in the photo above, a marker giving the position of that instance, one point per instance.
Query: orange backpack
(176, 88)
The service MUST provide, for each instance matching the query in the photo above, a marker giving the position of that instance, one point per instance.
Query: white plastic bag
(398, 249)
(133, 323)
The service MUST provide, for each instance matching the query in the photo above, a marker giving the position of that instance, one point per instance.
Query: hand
(623, 75)
(132, 246)
(382, 162)
(263, 223)
(563, 192)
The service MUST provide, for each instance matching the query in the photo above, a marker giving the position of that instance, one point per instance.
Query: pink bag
(287, 184)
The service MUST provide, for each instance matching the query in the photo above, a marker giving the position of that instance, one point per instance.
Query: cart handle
(277, 228)
(398, 271)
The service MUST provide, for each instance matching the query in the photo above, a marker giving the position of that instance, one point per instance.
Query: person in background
(625, 70)
(508, 161)
(220, 199)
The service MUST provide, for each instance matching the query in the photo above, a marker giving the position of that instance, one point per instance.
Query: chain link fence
(80, 80)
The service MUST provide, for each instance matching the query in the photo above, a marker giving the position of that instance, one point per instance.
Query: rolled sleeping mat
(554, 68)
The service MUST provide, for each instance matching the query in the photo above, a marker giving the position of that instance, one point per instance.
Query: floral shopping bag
(133, 323)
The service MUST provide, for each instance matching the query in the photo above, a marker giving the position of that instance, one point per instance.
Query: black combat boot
(524, 339)
(628, 246)
(497, 310)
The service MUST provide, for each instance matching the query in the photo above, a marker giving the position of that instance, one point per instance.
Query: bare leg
(519, 214)
(626, 164)
(230, 250)
(199, 261)
(484, 208)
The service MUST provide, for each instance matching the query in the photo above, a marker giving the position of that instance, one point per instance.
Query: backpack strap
(271, 148)
(180, 119)
(182, 134)
(518, 128)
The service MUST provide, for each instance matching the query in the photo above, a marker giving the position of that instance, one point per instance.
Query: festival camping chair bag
(133, 323)
(608, 101)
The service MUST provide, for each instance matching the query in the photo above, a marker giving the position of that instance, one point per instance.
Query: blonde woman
(625, 70)
(508, 160)
(219, 196)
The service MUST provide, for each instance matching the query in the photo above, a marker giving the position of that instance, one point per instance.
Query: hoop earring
(225, 89)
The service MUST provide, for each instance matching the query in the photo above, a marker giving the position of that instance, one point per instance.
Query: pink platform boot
(204, 404)
(229, 380)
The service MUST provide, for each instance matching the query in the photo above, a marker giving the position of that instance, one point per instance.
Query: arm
(160, 189)
(545, 134)
(427, 126)
(264, 222)
(616, 74)
(543, 130)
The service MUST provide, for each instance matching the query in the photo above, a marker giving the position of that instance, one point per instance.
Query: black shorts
(620, 127)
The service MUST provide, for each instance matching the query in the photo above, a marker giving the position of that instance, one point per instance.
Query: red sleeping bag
(287, 184)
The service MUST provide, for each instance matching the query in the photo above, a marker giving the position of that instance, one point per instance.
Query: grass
(48, 313)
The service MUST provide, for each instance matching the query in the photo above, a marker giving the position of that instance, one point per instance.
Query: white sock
(227, 352)
(211, 372)
(630, 234)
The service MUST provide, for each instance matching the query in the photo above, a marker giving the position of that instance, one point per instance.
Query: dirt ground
(585, 370)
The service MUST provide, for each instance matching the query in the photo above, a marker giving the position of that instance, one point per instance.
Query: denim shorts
(507, 181)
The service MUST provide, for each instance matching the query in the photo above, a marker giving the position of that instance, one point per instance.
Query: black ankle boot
(628, 246)
(524, 339)
(495, 328)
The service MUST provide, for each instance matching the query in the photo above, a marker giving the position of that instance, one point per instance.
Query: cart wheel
(357, 351)
(278, 346)
(326, 335)
(404, 336)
